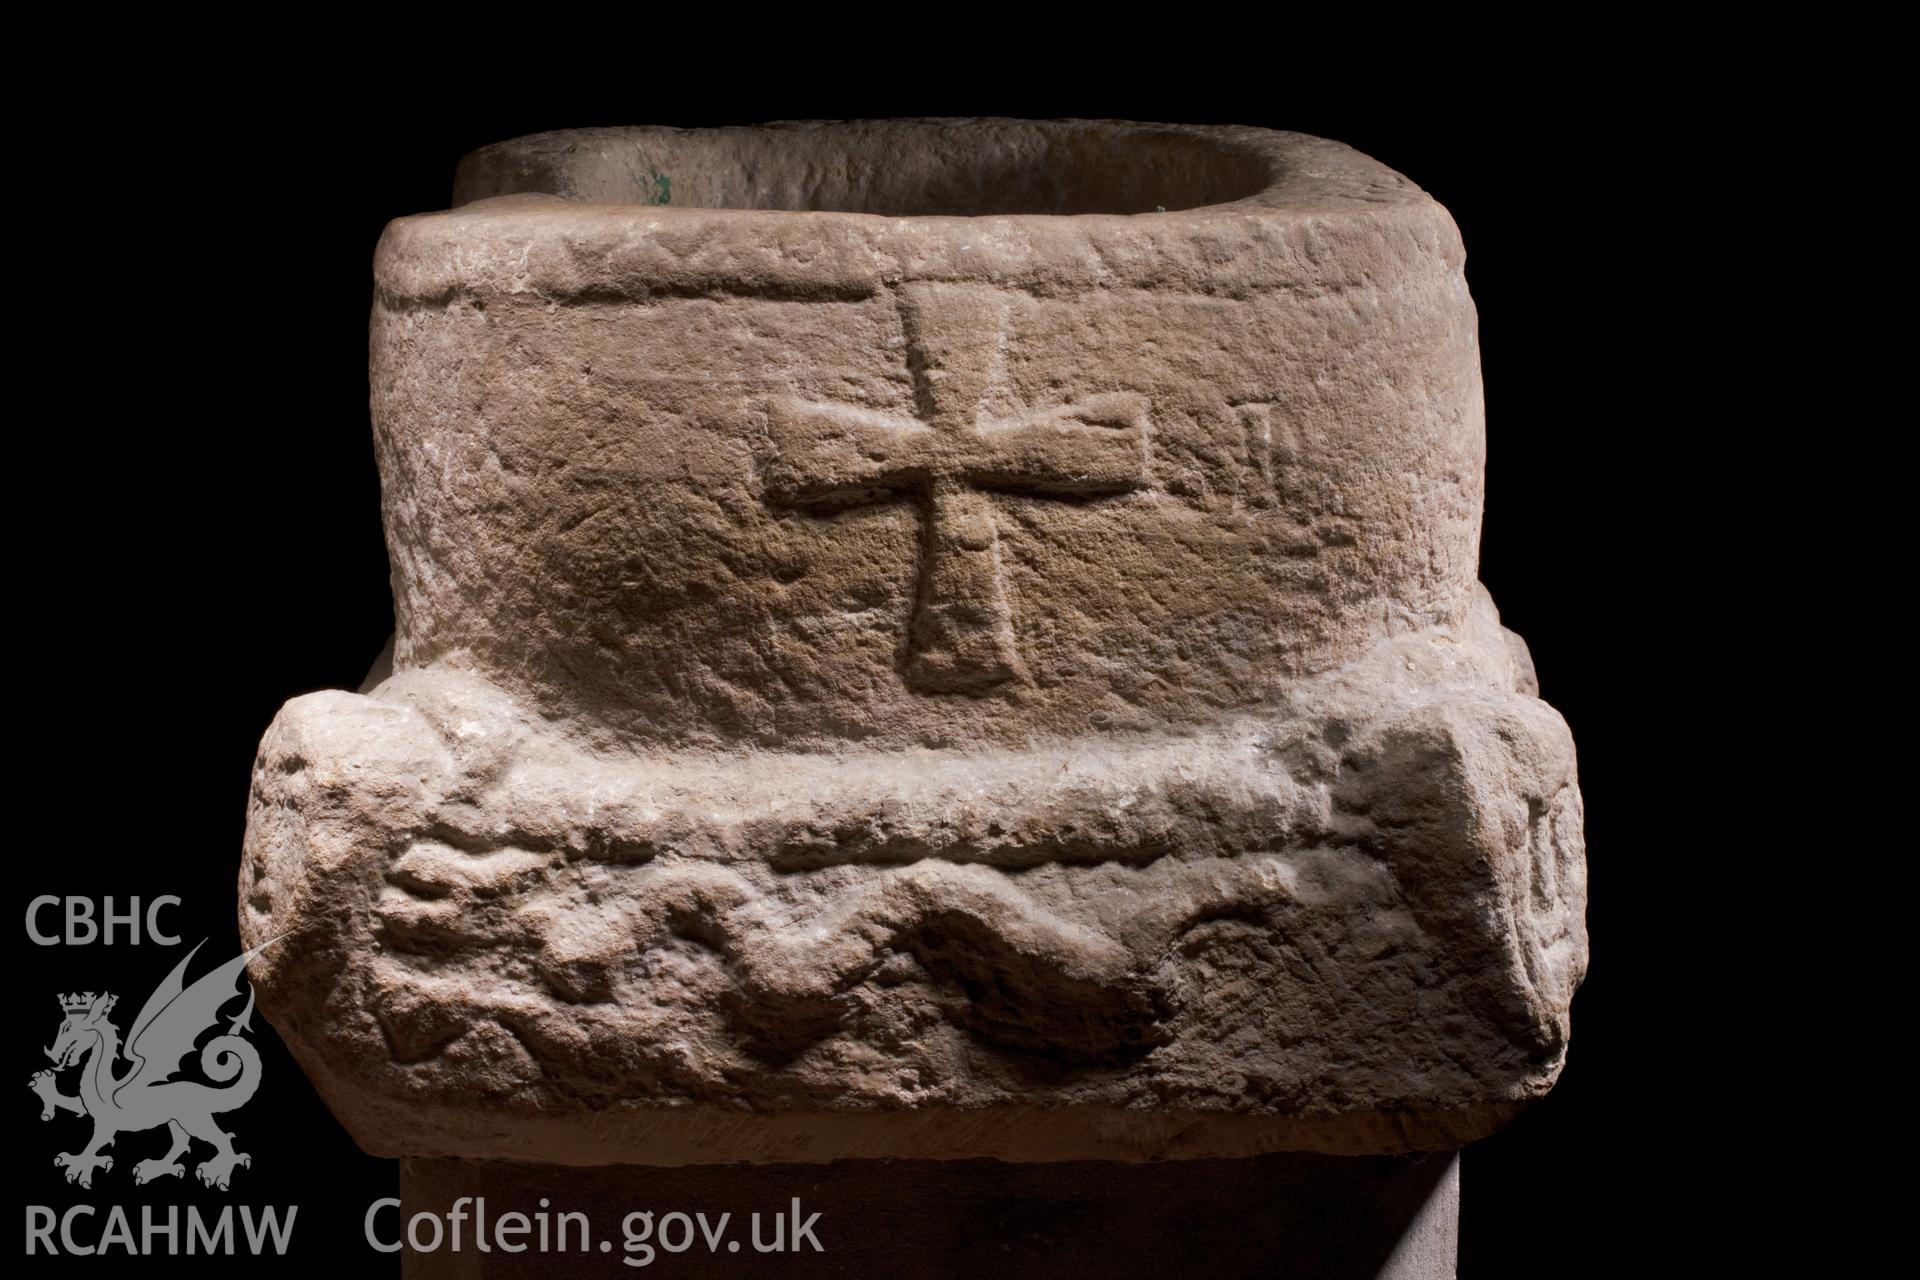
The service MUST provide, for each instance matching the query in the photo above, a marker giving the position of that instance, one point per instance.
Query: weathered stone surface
(971, 648)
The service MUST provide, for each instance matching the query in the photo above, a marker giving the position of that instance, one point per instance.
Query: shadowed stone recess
(924, 639)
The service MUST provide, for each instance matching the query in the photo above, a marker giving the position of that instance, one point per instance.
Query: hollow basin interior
(899, 169)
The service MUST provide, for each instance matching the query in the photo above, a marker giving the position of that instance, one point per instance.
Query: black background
(209, 541)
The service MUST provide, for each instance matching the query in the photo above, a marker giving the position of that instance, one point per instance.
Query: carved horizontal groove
(830, 500)
(758, 289)
(659, 289)
(813, 855)
(1085, 490)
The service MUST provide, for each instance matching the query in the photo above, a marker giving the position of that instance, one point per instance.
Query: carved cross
(829, 457)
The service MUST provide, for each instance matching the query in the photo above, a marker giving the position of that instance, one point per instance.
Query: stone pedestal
(1304, 1217)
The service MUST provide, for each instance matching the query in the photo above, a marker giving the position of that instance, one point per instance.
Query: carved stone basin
(929, 639)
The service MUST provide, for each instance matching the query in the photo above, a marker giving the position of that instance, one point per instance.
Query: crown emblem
(78, 1002)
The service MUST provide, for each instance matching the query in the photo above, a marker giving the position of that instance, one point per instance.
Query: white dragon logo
(146, 1097)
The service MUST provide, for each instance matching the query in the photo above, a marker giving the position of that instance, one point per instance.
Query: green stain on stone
(657, 186)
